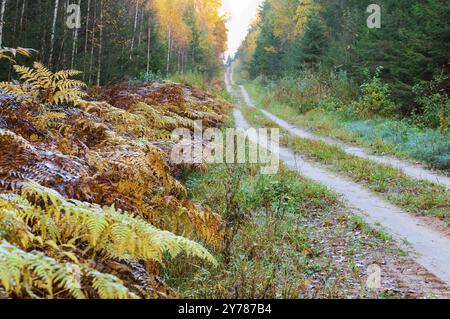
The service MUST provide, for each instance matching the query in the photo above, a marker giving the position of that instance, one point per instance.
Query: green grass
(286, 245)
(418, 197)
(385, 136)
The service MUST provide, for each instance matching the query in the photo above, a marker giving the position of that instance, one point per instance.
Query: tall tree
(2, 20)
(53, 32)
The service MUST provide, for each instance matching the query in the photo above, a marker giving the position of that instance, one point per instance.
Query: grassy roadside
(294, 240)
(383, 136)
(418, 197)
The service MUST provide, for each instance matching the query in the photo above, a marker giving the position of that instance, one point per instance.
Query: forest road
(427, 247)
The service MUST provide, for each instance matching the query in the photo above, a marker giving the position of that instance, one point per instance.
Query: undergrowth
(419, 197)
(381, 135)
(90, 204)
(286, 245)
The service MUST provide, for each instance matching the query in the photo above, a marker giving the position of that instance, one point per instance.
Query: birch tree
(136, 14)
(2, 21)
(100, 47)
(74, 42)
(53, 32)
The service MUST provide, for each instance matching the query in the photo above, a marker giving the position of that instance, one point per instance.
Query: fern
(23, 273)
(116, 234)
(46, 87)
(33, 274)
(10, 53)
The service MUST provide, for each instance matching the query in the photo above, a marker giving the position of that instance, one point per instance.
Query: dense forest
(409, 52)
(133, 158)
(118, 39)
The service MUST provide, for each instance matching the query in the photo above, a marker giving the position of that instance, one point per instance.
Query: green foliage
(375, 98)
(329, 36)
(434, 103)
(419, 197)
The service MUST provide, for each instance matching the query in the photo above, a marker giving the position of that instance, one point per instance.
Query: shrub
(434, 104)
(375, 99)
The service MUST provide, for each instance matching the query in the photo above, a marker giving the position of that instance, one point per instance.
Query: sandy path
(428, 247)
(414, 171)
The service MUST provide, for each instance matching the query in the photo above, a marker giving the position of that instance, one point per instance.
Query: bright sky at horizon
(241, 12)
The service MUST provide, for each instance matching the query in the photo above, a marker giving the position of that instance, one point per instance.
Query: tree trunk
(52, 34)
(91, 60)
(169, 36)
(140, 27)
(99, 70)
(74, 43)
(22, 15)
(134, 26)
(16, 18)
(87, 27)
(149, 37)
(2, 21)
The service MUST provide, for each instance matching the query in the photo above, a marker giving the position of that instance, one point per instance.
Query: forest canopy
(412, 45)
(133, 38)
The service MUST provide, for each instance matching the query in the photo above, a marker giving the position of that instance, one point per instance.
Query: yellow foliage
(43, 86)
(93, 187)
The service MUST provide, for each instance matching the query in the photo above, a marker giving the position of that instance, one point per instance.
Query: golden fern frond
(68, 95)
(52, 88)
(110, 287)
(41, 71)
(65, 74)
(33, 274)
(70, 84)
(25, 274)
(9, 53)
(27, 74)
(118, 234)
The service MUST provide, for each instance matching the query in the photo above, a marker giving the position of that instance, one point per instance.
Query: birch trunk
(91, 60)
(149, 37)
(22, 14)
(134, 26)
(169, 38)
(52, 34)
(2, 21)
(74, 43)
(99, 70)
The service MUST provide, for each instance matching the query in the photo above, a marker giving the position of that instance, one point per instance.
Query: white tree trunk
(91, 60)
(2, 21)
(99, 70)
(52, 35)
(149, 37)
(87, 27)
(74, 43)
(134, 26)
(22, 14)
(169, 44)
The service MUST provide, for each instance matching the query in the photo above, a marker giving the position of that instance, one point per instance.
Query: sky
(241, 12)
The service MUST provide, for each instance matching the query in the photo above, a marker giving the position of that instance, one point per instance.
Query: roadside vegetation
(321, 65)
(292, 238)
(328, 118)
(418, 197)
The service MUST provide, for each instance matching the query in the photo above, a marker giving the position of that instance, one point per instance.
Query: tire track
(414, 171)
(428, 247)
